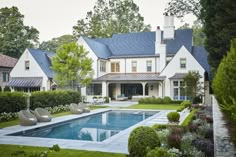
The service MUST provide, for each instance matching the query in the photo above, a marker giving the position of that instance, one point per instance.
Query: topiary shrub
(166, 100)
(141, 138)
(186, 104)
(173, 116)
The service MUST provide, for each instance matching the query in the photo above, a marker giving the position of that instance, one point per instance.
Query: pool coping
(116, 144)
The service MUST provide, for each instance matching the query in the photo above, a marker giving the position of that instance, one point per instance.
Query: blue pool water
(96, 127)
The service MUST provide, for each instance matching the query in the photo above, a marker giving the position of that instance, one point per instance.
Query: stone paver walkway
(223, 146)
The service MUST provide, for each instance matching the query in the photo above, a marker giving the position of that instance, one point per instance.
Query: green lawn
(7, 150)
(156, 106)
(16, 122)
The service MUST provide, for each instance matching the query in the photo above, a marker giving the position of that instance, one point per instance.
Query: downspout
(155, 64)
(125, 65)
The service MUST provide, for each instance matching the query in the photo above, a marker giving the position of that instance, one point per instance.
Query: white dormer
(169, 28)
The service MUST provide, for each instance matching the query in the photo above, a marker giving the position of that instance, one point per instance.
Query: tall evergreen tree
(109, 17)
(15, 37)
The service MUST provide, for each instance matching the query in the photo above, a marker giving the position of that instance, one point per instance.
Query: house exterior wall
(34, 70)
(174, 67)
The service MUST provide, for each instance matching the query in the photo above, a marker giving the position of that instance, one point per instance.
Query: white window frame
(183, 62)
(149, 66)
(102, 66)
(134, 66)
(27, 65)
(116, 67)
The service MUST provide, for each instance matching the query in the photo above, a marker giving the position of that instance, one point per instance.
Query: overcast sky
(53, 18)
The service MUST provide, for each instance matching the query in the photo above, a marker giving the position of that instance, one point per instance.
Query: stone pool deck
(116, 144)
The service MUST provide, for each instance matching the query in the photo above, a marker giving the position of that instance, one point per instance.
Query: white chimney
(160, 49)
(169, 28)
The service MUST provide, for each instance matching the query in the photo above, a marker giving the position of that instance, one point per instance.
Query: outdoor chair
(27, 118)
(42, 115)
(84, 107)
(75, 109)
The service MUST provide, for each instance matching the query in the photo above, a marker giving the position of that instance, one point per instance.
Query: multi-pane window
(27, 65)
(5, 76)
(134, 66)
(182, 62)
(115, 67)
(179, 90)
(94, 89)
(149, 66)
(102, 66)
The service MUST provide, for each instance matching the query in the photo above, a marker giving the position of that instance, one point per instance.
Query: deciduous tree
(109, 17)
(15, 37)
(73, 68)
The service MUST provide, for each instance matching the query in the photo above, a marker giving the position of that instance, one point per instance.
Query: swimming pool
(97, 127)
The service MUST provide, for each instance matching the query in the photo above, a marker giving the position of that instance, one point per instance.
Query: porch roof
(131, 77)
(178, 76)
(25, 82)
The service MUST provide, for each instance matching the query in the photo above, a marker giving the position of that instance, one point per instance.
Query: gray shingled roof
(134, 44)
(131, 77)
(7, 61)
(25, 82)
(43, 60)
(200, 54)
(178, 76)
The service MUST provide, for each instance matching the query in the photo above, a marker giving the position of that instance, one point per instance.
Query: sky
(53, 18)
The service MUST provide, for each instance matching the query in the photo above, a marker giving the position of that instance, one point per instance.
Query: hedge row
(16, 101)
(153, 100)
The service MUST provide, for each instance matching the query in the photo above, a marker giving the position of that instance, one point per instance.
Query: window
(179, 90)
(102, 66)
(134, 66)
(27, 65)
(149, 66)
(176, 83)
(5, 76)
(94, 89)
(115, 67)
(182, 63)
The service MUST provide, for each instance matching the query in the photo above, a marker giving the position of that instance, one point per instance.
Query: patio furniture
(42, 115)
(26, 118)
(84, 107)
(121, 97)
(75, 109)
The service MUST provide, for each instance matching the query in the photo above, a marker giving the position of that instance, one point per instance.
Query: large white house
(145, 63)
(132, 65)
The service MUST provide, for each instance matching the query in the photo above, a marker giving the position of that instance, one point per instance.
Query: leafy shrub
(174, 140)
(141, 138)
(205, 146)
(106, 99)
(186, 142)
(162, 152)
(177, 130)
(175, 152)
(180, 109)
(159, 127)
(166, 100)
(8, 116)
(12, 102)
(193, 127)
(189, 118)
(173, 116)
(186, 104)
(163, 136)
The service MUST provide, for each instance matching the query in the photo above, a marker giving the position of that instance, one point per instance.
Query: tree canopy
(73, 68)
(55, 43)
(109, 17)
(15, 37)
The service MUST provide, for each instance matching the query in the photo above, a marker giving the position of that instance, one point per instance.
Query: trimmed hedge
(16, 101)
(53, 98)
(141, 139)
(12, 102)
(153, 100)
(189, 118)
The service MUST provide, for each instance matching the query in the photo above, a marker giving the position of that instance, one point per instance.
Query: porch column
(104, 89)
(143, 84)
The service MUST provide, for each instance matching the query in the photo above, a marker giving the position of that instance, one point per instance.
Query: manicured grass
(7, 150)
(16, 122)
(156, 106)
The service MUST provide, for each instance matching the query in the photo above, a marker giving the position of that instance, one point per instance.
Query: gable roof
(43, 60)
(7, 61)
(201, 55)
(138, 44)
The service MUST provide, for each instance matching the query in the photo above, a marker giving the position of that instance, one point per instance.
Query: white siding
(34, 69)
(174, 67)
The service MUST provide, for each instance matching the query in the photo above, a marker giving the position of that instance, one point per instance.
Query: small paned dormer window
(182, 63)
(27, 65)
(134, 66)
(149, 66)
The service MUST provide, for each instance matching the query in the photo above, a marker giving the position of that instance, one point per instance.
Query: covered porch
(133, 86)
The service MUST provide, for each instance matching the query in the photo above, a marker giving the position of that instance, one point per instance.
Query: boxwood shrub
(140, 139)
(153, 100)
(173, 116)
(186, 104)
